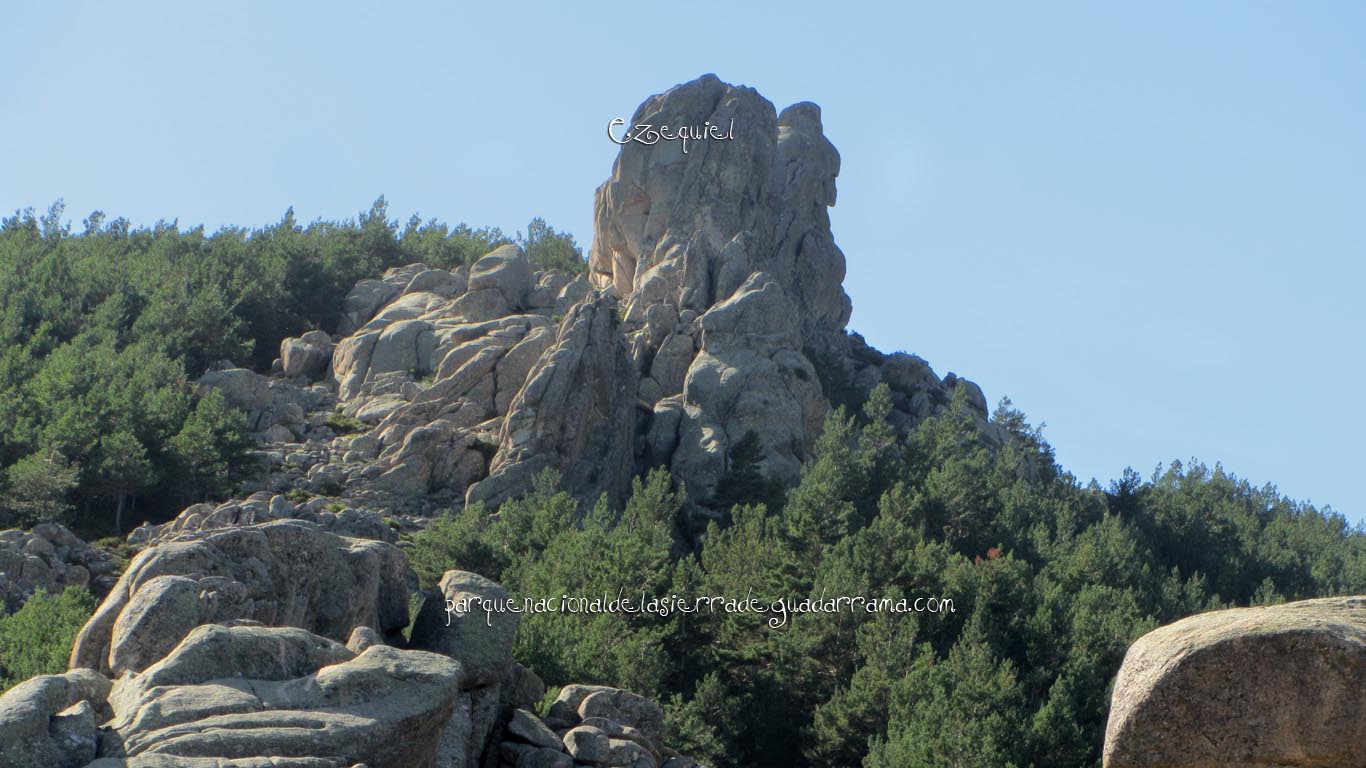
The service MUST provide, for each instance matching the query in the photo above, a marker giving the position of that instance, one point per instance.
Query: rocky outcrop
(600, 725)
(713, 310)
(575, 413)
(749, 376)
(1249, 687)
(51, 558)
(215, 668)
(686, 230)
(430, 369)
(273, 406)
(50, 721)
(468, 619)
(730, 281)
(455, 621)
(282, 573)
(262, 507)
(252, 696)
(306, 356)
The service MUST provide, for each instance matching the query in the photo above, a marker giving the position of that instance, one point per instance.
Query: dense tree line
(1051, 581)
(104, 329)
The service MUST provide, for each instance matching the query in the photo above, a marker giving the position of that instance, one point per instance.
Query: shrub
(344, 425)
(37, 638)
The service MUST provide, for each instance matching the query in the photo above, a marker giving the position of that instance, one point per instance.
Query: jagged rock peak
(719, 317)
(687, 229)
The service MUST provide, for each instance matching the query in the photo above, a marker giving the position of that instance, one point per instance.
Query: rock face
(749, 376)
(232, 693)
(493, 724)
(575, 411)
(480, 638)
(1248, 687)
(730, 281)
(282, 573)
(267, 402)
(50, 721)
(430, 367)
(712, 310)
(50, 558)
(264, 507)
(250, 694)
(687, 229)
(306, 356)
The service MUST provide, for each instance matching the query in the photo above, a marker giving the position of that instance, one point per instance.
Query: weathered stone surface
(726, 316)
(521, 687)
(241, 388)
(238, 694)
(51, 558)
(549, 285)
(369, 296)
(481, 640)
(433, 456)
(456, 735)
(267, 402)
(566, 704)
(49, 721)
(629, 754)
(307, 355)
(1245, 688)
(616, 730)
(688, 229)
(750, 376)
(625, 708)
(527, 727)
(438, 281)
(576, 413)
(730, 287)
(282, 573)
(260, 508)
(588, 744)
(485, 709)
(507, 270)
(362, 638)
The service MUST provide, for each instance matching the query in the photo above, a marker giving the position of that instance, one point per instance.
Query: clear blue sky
(1144, 224)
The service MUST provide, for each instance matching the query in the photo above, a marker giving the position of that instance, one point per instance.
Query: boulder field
(281, 644)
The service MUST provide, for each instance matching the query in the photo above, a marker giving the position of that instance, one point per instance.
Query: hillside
(306, 443)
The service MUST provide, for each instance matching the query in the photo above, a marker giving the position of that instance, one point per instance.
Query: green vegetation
(298, 495)
(37, 638)
(1050, 580)
(548, 249)
(344, 425)
(104, 329)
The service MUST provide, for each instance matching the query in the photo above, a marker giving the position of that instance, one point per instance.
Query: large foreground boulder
(1245, 688)
(282, 573)
(255, 696)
